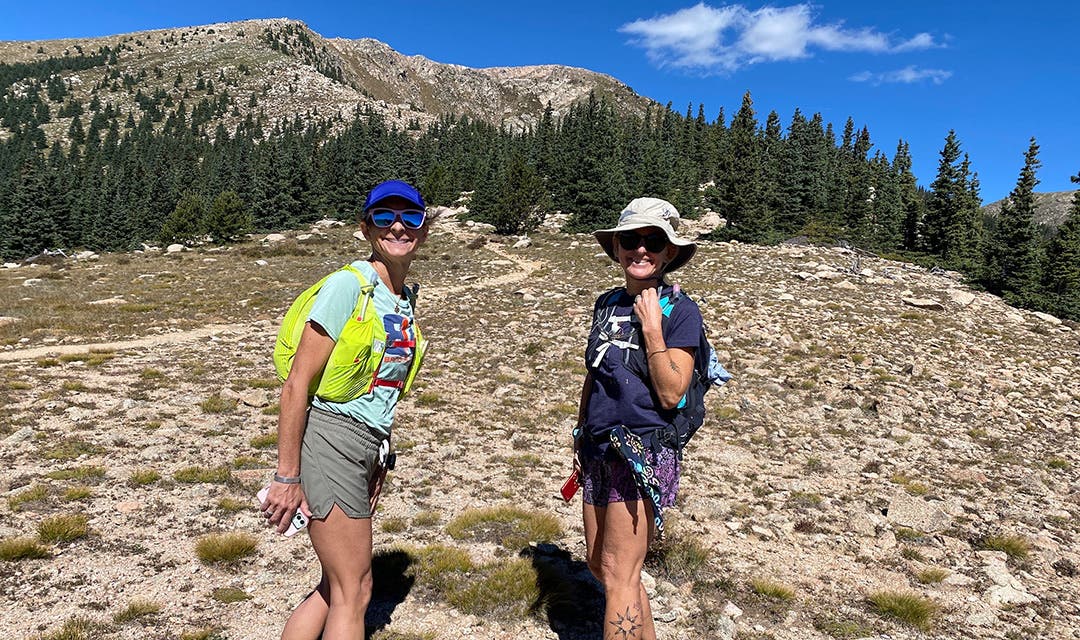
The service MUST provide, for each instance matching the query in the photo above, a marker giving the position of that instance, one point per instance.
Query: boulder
(175, 248)
(923, 303)
(909, 511)
(273, 238)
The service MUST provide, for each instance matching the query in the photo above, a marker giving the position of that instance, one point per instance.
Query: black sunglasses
(654, 242)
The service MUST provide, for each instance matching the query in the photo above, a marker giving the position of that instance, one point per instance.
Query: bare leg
(616, 540)
(336, 609)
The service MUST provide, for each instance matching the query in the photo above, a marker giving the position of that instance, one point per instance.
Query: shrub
(909, 608)
(76, 628)
(78, 493)
(394, 525)
(225, 548)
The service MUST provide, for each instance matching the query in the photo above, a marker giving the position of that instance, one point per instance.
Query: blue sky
(998, 73)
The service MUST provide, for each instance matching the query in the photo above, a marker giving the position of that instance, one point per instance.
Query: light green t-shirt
(332, 309)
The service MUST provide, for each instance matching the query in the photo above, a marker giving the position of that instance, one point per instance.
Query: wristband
(287, 479)
(653, 353)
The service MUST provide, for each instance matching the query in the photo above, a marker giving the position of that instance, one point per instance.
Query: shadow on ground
(570, 598)
(392, 584)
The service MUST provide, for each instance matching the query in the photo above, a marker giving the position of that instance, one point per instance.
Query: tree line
(166, 173)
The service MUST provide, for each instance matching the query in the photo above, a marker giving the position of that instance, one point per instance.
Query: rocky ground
(887, 430)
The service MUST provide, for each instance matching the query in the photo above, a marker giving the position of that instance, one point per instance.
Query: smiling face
(397, 242)
(639, 262)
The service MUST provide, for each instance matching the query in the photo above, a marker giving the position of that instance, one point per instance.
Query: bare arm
(669, 369)
(311, 356)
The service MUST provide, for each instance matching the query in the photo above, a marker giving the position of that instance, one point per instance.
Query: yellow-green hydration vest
(351, 371)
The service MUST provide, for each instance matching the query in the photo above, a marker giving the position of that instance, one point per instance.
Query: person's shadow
(570, 597)
(392, 583)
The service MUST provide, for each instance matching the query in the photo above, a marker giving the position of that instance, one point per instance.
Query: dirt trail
(15, 355)
(137, 343)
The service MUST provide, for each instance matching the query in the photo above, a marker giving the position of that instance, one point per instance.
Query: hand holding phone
(570, 487)
(299, 520)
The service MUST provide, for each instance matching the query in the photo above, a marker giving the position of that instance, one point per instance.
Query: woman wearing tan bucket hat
(640, 358)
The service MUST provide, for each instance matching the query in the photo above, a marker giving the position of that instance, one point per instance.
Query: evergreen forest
(165, 172)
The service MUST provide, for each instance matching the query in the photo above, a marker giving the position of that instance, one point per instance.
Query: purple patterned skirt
(609, 478)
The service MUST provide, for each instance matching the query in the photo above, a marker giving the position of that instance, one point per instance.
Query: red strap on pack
(410, 344)
(379, 382)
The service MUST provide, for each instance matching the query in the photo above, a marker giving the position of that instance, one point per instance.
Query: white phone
(299, 520)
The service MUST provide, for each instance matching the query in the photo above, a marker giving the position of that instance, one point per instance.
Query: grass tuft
(75, 494)
(505, 590)
(772, 590)
(680, 557)
(510, 527)
(216, 404)
(1016, 547)
(208, 475)
(264, 441)
(76, 628)
(37, 493)
(910, 608)
(933, 575)
(135, 610)
(63, 528)
(86, 472)
(229, 595)
(225, 548)
(23, 549)
(142, 477)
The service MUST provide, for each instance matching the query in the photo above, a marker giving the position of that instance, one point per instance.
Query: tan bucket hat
(649, 212)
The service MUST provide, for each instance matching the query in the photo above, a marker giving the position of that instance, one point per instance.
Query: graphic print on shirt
(400, 339)
(618, 330)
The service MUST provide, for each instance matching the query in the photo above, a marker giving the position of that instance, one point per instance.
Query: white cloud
(731, 36)
(907, 75)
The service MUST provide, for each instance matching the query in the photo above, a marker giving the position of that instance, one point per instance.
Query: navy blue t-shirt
(619, 395)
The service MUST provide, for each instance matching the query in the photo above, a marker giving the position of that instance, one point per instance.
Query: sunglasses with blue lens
(383, 217)
(654, 242)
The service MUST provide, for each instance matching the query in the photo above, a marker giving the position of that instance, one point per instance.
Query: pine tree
(952, 215)
(227, 218)
(1011, 265)
(187, 221)
(1061, 265)
(912, 206)
(740, 186)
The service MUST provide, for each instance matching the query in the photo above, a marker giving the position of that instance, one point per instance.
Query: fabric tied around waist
(631, 449)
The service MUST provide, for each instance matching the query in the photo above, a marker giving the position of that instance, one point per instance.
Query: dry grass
(208, 475)
(77, 628)
(229, 595)
(509, 527)
(142, 477)
(23, 549)
(772, 590)
(225, 548)
(36, 493)
(910, 608)
(87, 472)
(932, 575)
(63, 528)
(135, 610)
(1015, 547)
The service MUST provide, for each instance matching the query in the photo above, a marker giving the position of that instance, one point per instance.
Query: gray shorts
(338, 458)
